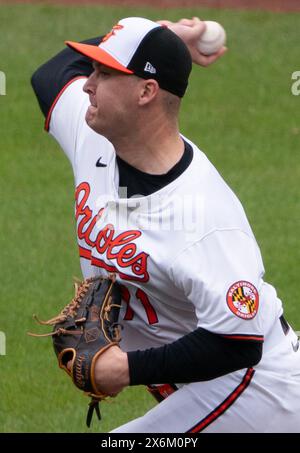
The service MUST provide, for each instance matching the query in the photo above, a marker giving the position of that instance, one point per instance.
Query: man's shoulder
(203, 176)
(207, 200)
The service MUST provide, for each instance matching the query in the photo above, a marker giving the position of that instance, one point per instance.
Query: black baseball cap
(146, 49)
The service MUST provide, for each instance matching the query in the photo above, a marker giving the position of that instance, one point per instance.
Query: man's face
(113, 98)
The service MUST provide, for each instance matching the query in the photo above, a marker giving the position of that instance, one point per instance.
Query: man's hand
(190, 30)
(111, 371)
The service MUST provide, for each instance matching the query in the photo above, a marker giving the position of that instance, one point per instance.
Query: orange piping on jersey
(222, 408)
(48, 119)
(85, 253)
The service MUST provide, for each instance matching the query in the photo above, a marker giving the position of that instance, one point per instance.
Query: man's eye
(104, 73)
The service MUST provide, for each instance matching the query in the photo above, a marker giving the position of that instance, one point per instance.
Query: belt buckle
(161, 391)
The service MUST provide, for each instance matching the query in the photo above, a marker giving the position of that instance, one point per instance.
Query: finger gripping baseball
(84, 329)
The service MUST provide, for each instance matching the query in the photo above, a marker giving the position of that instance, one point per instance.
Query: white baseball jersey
(185, 255)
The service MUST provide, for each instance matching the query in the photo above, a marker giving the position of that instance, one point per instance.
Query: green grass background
(240, 111)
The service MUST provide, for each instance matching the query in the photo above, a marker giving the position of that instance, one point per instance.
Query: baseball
(212, 39)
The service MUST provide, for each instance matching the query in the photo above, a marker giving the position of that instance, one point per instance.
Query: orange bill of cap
(99, 55)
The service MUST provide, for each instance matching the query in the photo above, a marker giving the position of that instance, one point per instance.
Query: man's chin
(89, 118)
(89, 115)
(93, 125)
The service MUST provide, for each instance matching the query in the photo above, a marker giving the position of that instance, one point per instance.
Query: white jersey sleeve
(67, 117)
(221, 275)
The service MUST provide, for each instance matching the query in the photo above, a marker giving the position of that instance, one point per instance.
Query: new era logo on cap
(146, 49)
(149, 68)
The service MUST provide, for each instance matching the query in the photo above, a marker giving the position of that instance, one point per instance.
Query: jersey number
(144, 299)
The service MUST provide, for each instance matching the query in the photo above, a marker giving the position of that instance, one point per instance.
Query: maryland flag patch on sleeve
(243, 299)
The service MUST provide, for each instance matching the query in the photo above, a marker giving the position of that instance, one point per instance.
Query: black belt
(284, 324)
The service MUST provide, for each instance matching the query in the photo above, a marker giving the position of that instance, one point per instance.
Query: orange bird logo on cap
(112, 32)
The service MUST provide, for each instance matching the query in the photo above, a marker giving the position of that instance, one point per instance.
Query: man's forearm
(198, 356)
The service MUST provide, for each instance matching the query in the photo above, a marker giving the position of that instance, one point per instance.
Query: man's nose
(90, 87)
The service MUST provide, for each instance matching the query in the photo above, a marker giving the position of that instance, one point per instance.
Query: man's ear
(148, 91)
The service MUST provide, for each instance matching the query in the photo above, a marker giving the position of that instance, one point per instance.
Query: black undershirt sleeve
(198, 356)
(48, 80)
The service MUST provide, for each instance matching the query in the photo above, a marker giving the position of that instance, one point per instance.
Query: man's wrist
(112, 371)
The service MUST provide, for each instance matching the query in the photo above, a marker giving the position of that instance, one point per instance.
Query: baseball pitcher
(200, 327)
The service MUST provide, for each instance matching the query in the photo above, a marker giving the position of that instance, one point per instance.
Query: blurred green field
(240, 112)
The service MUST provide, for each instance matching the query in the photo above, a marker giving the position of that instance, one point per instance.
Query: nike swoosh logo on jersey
(99, 164)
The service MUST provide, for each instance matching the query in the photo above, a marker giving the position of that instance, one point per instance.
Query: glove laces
(70, 310)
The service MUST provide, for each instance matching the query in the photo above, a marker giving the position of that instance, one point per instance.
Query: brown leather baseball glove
(83, 330)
